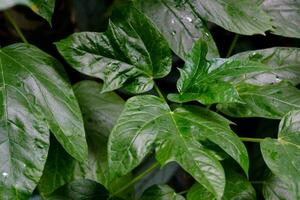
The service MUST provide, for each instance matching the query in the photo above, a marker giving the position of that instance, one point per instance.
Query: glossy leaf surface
(124, 56)
(285, 15)
(271, 101)
(100, 111)
(180, 25)
(147, 121)
(237, 187)
(207, 80)
(243, 16)
(276, 189)
(79, 190)
(284, 62)
(285, 149)
(35, 96)
(161, 192)
(44, 8)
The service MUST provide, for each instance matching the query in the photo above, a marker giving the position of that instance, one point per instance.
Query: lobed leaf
(124, 56)
(147, 121)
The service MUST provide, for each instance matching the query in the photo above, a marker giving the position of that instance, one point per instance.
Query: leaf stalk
(15, 25)
(257, 140)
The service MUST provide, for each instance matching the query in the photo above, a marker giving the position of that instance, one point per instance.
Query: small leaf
(237, 187)
(276, 189)
(80, 189)
(44, 8)
(124, 56)
(207, 80)
(270, 101)
(147, 121)
(243, 16)
(284, 62)
(35, 96)
(285, 149)
(161, 192)
(100, 111)
(180, 25)
(285, 15)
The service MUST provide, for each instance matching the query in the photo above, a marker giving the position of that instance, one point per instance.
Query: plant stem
(15, 25)
(233, 43)
(245, 139)
(136, 179)
(159, 92)
(257, 182)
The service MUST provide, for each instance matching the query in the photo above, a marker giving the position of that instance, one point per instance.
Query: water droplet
(5, 174)
(254, 18)
(173, 21)
(206, 34)
(173, 33)
(189, 19)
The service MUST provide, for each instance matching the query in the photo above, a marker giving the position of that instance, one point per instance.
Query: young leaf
(270, 101)
(285, 150)
(44, 8)
(100, 111)
(243, 16)
(161, 192)
(35, 96)
(147, 121)
(180, 25)
(285, 15)
(207, 80)
(284, 62)
(237, 187)
(80, 189)
(276, 189)
(124, 56)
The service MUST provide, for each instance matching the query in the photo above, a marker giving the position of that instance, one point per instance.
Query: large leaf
(284, 61)
(35, 96)
(285, 15)
(207, 81)
(275, 189)
(270, 101)
(243, 16)
(79, 190)
(147, 121)
(282, 154)
(44, 8)
(180, 25)
(100, 111)
(161, 192)
(237, 187)
(124, 56)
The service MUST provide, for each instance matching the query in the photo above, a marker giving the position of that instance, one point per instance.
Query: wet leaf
(35, 96)
(147, 121)
(124, 56)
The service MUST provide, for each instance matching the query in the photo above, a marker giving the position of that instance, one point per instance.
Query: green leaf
(284, 62)
(44, 8)
(285, 15)
(282, 154)
(180, 25)
(276, 189)
(237, 187)
(124, 56)
(207, 80)
(161, 192)
(270, 101)
(35, 96)
(147, 121)
(100, 111)
(79, 190)
(243, 16)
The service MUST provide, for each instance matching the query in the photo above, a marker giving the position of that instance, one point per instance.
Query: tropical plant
(116, 134)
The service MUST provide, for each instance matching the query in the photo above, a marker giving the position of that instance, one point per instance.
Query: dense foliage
(134, 122)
